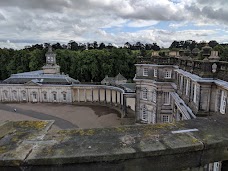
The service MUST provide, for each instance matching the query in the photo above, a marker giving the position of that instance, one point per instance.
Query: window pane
(165, 118)
(145, 71)
(166, 98)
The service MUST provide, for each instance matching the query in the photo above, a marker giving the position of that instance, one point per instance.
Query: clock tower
(51, 67)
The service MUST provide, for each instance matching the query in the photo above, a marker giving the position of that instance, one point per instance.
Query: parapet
(179, 145)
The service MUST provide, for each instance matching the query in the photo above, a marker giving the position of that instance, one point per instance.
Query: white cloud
(32, 21)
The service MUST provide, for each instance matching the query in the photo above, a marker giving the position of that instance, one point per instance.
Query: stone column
(99, 95)
(84, 95)
(116, 97)
(92, 94)
(105, 100)
(78, 95)
(120, 100)
(111, 97)
(124, 106)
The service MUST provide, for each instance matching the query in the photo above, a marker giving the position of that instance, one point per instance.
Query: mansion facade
(174, 88)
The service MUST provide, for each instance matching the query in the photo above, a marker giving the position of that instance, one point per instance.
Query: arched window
(54, 95)
(144, 94)
(23, 93)
(34, 95)
(64, 95)
(44, 95)
(5, 94)
(14, 92)
(144, 115)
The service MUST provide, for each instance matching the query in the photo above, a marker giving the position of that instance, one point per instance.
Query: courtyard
(66, 116)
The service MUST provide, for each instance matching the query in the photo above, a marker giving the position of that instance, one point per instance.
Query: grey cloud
(219, 14)
(36, 4)
(38, 21)
(2, 17)
(221, 2)
(215, 13)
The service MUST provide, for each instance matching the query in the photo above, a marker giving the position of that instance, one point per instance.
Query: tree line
(73, 45)
(86, 65)
(92, 64)
(191, 44)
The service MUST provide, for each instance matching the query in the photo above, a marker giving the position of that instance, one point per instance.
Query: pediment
(32, 83)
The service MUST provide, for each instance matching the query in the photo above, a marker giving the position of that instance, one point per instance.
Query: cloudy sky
(26, 22)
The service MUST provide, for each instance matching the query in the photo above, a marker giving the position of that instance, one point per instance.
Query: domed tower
(51, 67)
(50, 56)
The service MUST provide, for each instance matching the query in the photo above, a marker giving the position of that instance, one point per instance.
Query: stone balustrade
(202, 68)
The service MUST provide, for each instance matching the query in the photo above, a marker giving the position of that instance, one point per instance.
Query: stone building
(49, 86)
(115, 81)
(176, 88)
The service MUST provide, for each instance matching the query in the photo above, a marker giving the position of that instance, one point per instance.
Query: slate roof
(120, 77)
(40, 77)
(128, 87)
(107, 79)
(111, 80)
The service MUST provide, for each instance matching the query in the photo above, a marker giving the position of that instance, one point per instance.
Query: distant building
(115, 81)
(49, 86)
(49, 75)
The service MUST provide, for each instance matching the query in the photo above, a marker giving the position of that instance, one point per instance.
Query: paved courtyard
(66, 116)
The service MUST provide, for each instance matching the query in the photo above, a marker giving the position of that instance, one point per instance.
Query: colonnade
(99, 94)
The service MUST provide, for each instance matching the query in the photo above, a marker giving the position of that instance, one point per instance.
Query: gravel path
(66, 116)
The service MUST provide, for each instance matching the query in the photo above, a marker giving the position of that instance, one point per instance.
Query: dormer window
(145, 71)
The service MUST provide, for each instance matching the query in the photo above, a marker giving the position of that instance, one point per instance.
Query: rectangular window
(187, 87)
(155, 72)
(168, 73)
(144, 116)
(64, 96)
(194, 93)
(145, 71)
(153, 117)
(166, 98)
(165, 118)
(154, 96)
(144, 94)
(223, 103)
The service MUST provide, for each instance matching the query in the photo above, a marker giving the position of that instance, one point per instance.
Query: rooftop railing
(203, 68)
